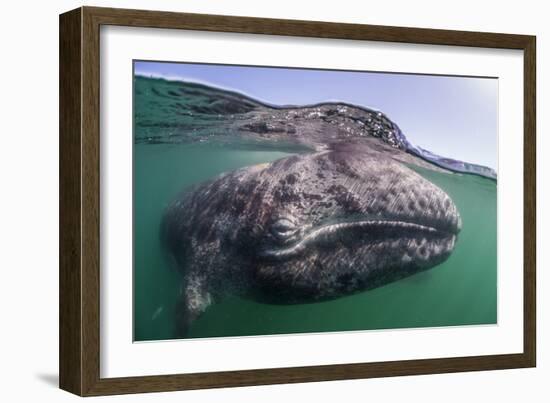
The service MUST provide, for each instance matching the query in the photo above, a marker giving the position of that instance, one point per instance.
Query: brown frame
(79, 200)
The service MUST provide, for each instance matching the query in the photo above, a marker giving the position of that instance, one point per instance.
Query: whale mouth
(393, 232)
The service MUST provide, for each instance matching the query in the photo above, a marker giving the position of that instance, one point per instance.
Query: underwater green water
(461, 291)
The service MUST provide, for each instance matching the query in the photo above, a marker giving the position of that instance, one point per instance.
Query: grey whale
(347, 216)
(306, 228)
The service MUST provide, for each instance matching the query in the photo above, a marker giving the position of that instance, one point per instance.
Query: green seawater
(461, 291)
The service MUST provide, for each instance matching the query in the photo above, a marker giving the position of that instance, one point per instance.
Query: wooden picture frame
(79, 278)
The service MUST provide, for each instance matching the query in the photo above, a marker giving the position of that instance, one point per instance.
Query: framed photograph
(249, 201)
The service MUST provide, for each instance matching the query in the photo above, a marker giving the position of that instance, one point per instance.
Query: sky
(452, 116)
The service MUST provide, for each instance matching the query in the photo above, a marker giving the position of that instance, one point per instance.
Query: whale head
(311, 227)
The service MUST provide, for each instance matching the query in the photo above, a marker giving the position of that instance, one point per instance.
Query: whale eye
(283, 228)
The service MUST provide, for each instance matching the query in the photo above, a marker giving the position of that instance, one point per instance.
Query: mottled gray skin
(306, 228)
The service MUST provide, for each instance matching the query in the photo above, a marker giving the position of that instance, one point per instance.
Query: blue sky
(455, 117)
